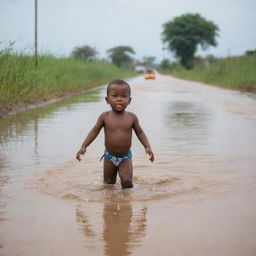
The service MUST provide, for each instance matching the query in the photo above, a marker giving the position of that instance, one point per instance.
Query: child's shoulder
(131, 114)
(104, 114)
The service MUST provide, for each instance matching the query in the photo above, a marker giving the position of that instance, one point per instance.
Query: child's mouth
(119, 107)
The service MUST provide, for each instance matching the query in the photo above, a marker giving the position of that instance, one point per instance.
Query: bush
(21, 83)
(234, 73)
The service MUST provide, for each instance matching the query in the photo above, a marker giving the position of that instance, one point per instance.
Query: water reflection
(24, 131)
(4, 164)
(21, 135)
(187, 122)
(3, 180)
(122, 229)
(17, 125)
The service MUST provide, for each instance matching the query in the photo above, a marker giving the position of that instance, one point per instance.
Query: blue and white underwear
(116, 161)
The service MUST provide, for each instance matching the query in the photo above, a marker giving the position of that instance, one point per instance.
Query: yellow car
(149, 74)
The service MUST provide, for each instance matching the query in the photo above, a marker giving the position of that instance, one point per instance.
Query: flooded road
(197, 198)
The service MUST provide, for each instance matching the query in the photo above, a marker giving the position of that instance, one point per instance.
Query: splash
(84, 182)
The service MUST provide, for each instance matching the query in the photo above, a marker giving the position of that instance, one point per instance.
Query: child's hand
(150, 154)
(79, 153)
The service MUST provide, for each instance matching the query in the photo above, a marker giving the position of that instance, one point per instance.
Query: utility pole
(36, 54)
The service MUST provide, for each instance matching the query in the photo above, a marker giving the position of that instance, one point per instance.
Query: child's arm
(143, 138)
(91, 137)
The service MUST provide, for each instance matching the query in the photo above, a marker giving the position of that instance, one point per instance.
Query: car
(149, 74)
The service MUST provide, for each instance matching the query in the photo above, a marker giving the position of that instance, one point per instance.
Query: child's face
(118, 97)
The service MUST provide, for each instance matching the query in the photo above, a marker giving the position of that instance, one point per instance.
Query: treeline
(21, 83)
(232, 72)
(121, 56)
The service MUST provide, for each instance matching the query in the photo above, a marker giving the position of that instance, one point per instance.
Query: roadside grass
(234, 73)
(21, 83)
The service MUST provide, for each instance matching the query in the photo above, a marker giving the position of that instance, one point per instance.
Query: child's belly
(118, 144)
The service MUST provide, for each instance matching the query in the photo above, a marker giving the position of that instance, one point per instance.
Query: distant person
(118, 125)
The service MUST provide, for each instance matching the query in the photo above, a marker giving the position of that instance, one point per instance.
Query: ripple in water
(84, 182)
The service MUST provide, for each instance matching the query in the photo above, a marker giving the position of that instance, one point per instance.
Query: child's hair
(119, 82)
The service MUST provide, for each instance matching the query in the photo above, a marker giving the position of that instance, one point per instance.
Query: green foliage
(185, 33)
(21, 83)
(233, 73)
(165, 64)
(119, 55)
(168, 67)
(250, 53)
(149, 61)
(85, 52)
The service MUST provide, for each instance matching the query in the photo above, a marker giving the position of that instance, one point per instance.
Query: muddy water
(197, 198)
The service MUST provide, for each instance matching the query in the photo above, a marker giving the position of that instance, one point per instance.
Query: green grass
(21, 83)
(234, 73)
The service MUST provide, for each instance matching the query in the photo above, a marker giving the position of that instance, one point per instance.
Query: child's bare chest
(124, 123)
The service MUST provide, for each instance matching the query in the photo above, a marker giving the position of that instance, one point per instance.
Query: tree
(185, 33)
(250, 53)
(85, 52)
(165, 64)
(149, 61)
(119, 55)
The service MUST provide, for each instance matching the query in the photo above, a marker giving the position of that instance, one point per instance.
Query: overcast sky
(103, 24)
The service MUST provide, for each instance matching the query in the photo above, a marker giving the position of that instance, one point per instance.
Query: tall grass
(233, 73)
(21, 83)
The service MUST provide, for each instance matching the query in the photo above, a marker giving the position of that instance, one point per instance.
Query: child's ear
(130, 100)
(106, 99)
